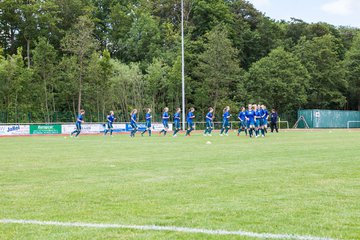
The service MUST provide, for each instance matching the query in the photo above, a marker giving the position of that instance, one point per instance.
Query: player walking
(165, 121)
(176, 122)
(209, 122)
(225, 125)
(250, 119)
(109, 126)
(148, 122)
(133, 122)
(190, 123)
(242, 123)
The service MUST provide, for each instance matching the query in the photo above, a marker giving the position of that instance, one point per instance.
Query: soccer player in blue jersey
(79, 121)
(258, 117)
(133, 122)
(209, 122)
(242, 123)
(250, 120)
(165, 121)
(226, 118)
(265, 118)
(190, 119)
(177, 122)
(109, 126)
(148, 122)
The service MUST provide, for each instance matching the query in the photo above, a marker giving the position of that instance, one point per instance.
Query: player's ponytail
(133, 111)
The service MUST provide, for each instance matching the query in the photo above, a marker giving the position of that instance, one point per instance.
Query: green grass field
(303, 183)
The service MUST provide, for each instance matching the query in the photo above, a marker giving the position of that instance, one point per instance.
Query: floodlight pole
(182, 65)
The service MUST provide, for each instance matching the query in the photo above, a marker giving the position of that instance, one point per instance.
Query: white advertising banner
(16, 129)
(85, 128)
(157, 127)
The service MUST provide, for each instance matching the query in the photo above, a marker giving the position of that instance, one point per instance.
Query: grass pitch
(304, 183)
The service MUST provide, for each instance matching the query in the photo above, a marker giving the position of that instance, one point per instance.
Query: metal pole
(182, 65)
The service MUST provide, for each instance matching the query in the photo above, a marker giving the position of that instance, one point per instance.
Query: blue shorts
(265, 122)
(134, 126)
(209, 124)
(242, 124)
(190, 125)
(166, 124)
(257, 123)
(109, 125)
(261, 122)
(250, 123)
(148, 124)
(78, 126)
(177, 125)
(226, 124)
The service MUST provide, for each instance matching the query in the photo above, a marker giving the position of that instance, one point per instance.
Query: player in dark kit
(79, 121)
(274, 120)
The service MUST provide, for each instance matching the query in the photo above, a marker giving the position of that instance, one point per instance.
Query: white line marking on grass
(165, 228)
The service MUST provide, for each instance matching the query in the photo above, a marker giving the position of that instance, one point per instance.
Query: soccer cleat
(175, 135)
(221, 135)
(209, 135)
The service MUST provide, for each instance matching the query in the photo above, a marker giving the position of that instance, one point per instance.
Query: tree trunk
(46, 98)
(74, 107)
(80, 85)
(28, 52)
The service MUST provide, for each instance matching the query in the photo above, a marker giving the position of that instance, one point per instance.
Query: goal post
(350, 124)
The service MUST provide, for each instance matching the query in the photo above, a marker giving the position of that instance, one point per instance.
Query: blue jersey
(250, 114)
(226, 116)
(258, 114)
(261, 113)
(209, 117)
(165, 117)
(177, 117)
(148, 117)
(79, 118)
(133, 118)
(241, 116)
(266, 114)
(110, 118)
(190, 117)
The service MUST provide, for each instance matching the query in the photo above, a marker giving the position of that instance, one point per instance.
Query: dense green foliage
(304, 183)
(57, 56)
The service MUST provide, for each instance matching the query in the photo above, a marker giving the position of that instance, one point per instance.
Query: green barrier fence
(316, 118)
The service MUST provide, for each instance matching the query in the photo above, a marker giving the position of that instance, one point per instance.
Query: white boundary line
(165, 228)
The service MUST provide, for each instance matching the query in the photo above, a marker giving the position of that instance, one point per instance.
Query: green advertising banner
(45, 129)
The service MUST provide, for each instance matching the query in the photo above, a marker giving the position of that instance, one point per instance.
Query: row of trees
(62, 55)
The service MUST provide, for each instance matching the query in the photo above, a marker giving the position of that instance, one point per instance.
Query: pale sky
(335, 12)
